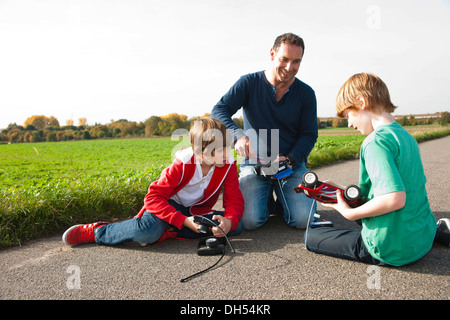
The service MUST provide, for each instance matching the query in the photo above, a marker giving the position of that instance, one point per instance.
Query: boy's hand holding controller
(224, 223)
(189, 223)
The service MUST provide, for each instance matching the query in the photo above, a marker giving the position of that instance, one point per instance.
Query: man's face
(286, 62)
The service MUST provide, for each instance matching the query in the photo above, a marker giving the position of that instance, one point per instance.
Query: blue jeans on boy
(257, 191)
(148, 229)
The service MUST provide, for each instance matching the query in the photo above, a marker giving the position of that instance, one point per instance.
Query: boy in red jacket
(189, 186)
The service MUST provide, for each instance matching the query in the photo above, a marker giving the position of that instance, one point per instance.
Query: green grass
(47, 187)
(331, 149)
(339, 144)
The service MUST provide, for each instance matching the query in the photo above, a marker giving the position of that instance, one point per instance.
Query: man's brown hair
(371, 88)
(289, 38)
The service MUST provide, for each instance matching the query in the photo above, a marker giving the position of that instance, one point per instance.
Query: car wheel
(352, 193)
(310, 180)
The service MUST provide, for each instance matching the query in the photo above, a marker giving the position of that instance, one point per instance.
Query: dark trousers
(339, 243)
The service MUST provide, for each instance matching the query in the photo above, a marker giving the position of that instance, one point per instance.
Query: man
(280, 123)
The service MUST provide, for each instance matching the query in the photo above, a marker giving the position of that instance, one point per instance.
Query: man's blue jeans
(148, 229)
(258, 190)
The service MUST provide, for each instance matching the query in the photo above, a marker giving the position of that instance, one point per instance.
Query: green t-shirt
(390, 161)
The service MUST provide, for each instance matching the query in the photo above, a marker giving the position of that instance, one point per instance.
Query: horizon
(417, 116)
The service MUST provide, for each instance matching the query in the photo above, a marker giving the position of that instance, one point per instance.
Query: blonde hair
(371, 88)
(208, 134)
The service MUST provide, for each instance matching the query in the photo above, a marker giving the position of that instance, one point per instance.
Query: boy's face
(218, 158)
(359, 120)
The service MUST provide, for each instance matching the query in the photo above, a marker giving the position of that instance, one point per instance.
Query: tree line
(441, 118)
(40, 128)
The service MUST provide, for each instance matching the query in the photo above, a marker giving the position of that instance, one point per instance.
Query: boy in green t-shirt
(398, 226)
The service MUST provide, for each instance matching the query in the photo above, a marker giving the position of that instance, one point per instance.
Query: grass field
(46, 187)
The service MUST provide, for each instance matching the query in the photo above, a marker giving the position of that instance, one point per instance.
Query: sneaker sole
(446, 221)
(64, 236)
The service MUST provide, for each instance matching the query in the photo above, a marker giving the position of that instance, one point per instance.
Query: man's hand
(279, 159)
(244, 148)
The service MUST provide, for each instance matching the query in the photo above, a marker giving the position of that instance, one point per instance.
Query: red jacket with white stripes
(178, 174)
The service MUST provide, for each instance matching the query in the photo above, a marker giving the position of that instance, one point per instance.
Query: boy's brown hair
(371, 88)
(208, 134)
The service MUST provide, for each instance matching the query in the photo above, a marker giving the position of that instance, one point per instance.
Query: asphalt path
(270, 263)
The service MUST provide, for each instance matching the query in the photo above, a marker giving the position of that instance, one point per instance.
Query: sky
(107, 60)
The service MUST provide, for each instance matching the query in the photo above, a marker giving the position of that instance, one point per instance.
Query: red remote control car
(326, 193)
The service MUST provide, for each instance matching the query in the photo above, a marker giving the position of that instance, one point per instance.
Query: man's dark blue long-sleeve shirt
(294, 116)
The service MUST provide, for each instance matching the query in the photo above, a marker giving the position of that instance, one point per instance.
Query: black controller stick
(205, 224)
